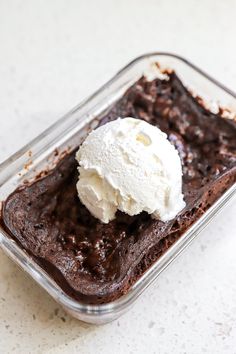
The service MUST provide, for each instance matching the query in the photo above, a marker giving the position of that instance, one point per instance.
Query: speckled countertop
(53, 54)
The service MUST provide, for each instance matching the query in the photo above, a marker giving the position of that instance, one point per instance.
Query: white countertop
(53, 54)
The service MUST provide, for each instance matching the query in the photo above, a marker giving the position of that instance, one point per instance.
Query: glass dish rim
(43, 279)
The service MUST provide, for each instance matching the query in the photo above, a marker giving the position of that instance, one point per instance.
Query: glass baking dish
(67, 133)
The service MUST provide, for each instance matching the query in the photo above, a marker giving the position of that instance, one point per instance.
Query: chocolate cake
(95, 262)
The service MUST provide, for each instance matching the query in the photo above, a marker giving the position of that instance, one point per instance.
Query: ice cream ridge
(129, 165)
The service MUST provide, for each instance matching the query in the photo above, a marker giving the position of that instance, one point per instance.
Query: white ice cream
(129, 165)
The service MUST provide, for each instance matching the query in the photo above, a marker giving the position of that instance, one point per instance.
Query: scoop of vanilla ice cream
(129, 165)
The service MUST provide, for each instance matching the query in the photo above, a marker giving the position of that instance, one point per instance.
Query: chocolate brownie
(95, 262)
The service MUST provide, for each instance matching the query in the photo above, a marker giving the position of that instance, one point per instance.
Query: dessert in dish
(96, 262)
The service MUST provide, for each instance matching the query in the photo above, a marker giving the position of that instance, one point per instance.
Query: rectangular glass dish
(68, 132)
